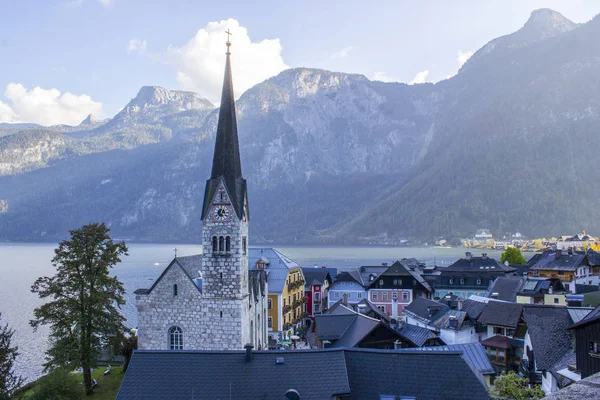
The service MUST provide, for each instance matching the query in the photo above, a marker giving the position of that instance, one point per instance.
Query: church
(211, 301)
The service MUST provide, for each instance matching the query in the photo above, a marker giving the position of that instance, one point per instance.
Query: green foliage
(513, 387)
(9, 382)
(513, 256)
(83, 300)
(57, 385)
(128, 344)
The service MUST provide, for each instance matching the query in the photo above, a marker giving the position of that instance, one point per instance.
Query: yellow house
(286, 290)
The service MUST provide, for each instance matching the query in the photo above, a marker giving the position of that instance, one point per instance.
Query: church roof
(226, 159)
(191, 266)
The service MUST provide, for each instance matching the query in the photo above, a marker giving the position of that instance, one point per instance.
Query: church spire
(226, 159)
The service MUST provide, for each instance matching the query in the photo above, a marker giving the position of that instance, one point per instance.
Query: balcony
(286, 309)
(297, 303)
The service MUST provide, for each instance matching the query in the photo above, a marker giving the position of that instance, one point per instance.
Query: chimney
(459, 304)
(558, 253)
(570, 251)
(345, 300)
(484, 255)
(452, 322)
(248, 348)
(469, 255)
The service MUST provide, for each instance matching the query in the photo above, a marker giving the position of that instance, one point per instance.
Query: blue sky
(103, 51)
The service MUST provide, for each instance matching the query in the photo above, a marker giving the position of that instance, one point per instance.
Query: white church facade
(211, 301)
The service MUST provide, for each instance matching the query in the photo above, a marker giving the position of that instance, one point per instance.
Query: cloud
(136, 45)
(383, 77)
(341, 53)
(200, 62)
(105, 3)
(74, 3)
(462, 57)
(420, 77)
(46, 106)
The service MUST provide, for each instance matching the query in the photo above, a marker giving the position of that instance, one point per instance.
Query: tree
(83, 311)
(512, 387)
(513, 256)
(128, 345)
(9, 381)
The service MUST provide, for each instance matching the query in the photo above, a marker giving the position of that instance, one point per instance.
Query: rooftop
(278, 266)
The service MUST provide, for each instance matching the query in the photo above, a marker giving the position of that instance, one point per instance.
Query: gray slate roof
(547, 327)
(550, 261)
(473, 308)
(425, 310)
(474, 353)
(506, 288)
(315, 276)
(593, 316)
(345, 329)
(417, 334)
(579, 313)
(277, 269)
(501, 314)
(315, 374)
(587, 388)
(477, 264)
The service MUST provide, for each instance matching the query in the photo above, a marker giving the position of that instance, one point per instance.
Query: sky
(61, 60)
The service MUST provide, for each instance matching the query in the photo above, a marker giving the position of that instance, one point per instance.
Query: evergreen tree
(513, 256)
(83, 311)
(9, 382)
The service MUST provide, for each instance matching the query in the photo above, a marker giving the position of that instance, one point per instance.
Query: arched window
(215, 244)
(221, 243)
(227, 244)
(174, 290)
(176, 338)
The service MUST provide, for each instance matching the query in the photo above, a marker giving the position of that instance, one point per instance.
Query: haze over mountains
(507, 144)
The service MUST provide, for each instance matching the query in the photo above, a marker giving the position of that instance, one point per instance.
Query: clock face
(221, 213)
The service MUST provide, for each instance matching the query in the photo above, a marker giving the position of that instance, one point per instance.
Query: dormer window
(381, 281)
(451, 281)
(462, 281)
(479, 281)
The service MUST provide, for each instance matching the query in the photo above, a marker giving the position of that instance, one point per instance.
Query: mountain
(506, 144)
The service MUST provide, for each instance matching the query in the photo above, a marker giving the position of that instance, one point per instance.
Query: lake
(22, 264)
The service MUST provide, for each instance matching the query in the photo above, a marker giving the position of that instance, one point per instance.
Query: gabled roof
(547, 327)
(578, 313)
(365, 306)
(348, 276)
(315, 276)
(277, 269)
(505, 288)
(425, 310)
(593, 316)
(476, 265)
(363, 273)
(559, 261)
(398, 269)
(191, 266)
(501, 314)
(345, 328)
(416, 334)
(444, 321)
(315, 374)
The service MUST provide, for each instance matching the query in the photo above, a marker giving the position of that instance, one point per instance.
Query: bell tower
(225, 229)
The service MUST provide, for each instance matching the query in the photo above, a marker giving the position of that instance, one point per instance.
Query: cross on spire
(228, 43)
(175, 250)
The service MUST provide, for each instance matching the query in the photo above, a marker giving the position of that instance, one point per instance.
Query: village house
(541, 291)
(348, 284)
(469, 276)
(570, 267)
(316, 287)
(285, 304)
(587, 343)
(580, 241)
(395, 288)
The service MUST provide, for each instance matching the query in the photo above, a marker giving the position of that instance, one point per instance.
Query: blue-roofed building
(286, 281)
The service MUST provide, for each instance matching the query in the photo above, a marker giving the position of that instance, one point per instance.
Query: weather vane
(228, 43)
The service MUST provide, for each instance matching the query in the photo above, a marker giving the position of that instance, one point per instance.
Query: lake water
(22, 264)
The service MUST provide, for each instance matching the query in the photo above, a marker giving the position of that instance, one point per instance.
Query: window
(270, 322)
(556, 300)
(404, 295)
(175, 290)
(228, 244)
(221, 243)
(395, 281)
(381, 281)
(381, 308)
(462, 281)
(317, 308)
(384, 296)
(479, 281)
(594, 347)
(451, 281)
(359, 295)
(270, 304)
(215, 244)
(337, 295)
(317, 296)
(176, 338)
(343, 283)
(284, 301)
(395, 296)
(498, 330)
(374, 295)
(244, 244)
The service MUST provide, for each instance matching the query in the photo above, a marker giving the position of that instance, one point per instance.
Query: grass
(107, 389)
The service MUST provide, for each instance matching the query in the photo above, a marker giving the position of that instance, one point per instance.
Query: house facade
(570, 267)
(316, 287)
(346, 283)
(587, 343)
(469, 276)
(285, 304)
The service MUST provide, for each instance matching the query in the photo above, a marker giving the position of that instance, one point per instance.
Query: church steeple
(226, 159)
